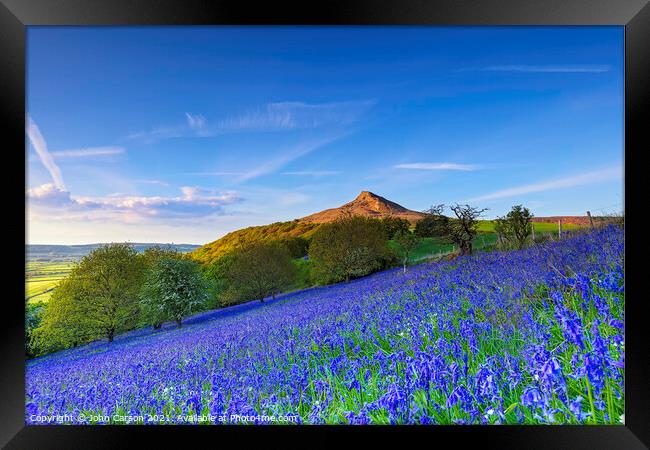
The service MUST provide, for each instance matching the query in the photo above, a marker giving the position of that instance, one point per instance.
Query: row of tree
(114, 289)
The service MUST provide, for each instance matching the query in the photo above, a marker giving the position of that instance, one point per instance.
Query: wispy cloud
(279, 116)
(439, 166)
(39, 144)
(217, 174)
(313, 173)
(157, 182)
(610, 173)
(285, 158)
(196, 122)
(193, 203)
(591, 68)
(87, 152)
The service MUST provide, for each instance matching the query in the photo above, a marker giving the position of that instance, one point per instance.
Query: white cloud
(592, 68)
(611, 173)
(438, 166)
(278, 116)
(195, 122)
(194, 202)
(88, 152)
(39, 144)
(49, 194)
(296, 152)
(313, 173)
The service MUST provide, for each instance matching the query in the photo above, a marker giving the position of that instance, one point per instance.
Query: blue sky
(165, 134)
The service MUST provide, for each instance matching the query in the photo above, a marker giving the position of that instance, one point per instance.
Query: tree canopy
(174, 289)
(256, 271)
(516, 226)
(348, 248)
(98, 299)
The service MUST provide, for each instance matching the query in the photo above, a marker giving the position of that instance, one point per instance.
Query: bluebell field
(524, 337)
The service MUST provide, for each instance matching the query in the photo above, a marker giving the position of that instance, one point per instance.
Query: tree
(433, 224)
(297, 246)
(64, 322)
(459, 230)
(406, 242)
(259, 270)
(516, 226)
(347, 248)
(218, 273)
(33, 318)
(151, 312)
(462, 229)
(99, 298)
(152, 255)
(174, 289)
(393, 225)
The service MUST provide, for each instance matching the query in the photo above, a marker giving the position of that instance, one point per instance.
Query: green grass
(487, 226)
(42, 277)
(431, 247)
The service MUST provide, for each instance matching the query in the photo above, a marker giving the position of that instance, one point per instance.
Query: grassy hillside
(214, 250)
(429, 247)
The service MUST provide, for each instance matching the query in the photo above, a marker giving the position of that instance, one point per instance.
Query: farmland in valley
(41, 277)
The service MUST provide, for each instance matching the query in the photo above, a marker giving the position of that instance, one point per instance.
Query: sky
(182, 134)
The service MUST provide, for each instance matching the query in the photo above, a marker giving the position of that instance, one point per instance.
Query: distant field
(42, 277)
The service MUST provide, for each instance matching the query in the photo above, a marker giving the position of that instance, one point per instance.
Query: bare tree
(459, 230)
(462, 229)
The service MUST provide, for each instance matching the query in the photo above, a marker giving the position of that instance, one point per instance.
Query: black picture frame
(16, 15)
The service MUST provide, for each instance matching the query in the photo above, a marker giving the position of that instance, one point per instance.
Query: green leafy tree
(99, 298)
(433, 224)
(516, 226)
(217, 273)
(406, 243)
(348, 248)
(297, 246)
(393, 225)
(64, 321)
(174, 289)
(258, 270)
(33, 318)
(150, 312)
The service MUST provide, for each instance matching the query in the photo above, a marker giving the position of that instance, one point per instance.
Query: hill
(366, 204)
(52, 252)
(278, 230)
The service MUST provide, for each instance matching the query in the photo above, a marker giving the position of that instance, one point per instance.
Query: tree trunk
(157, 326)
(111, 333)
(179, 322)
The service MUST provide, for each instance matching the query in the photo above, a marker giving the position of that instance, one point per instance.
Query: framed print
(359, 220)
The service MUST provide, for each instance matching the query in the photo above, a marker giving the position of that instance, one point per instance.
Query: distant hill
(582, 221)
(47, 252)
(366, 204)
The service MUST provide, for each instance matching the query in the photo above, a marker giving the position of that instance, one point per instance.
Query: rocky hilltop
(366, 204)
